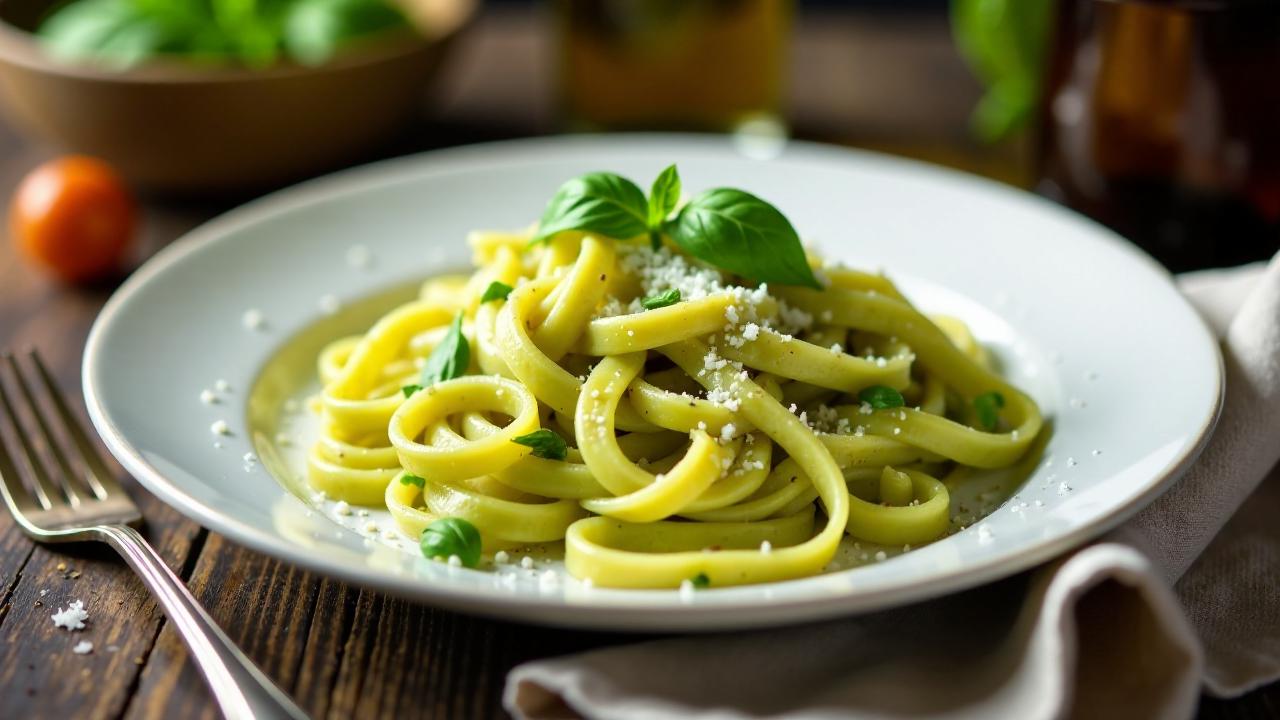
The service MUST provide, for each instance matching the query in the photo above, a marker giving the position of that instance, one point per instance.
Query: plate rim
(556, 612)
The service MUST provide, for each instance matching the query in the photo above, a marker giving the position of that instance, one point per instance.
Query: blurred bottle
(1161, 118)
(673, 64)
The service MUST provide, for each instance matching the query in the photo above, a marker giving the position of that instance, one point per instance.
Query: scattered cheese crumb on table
(72, 617)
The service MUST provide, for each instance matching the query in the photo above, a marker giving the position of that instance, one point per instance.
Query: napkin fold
(1131, 626)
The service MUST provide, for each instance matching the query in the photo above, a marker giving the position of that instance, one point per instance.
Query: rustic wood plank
(265, 606)
(405, 660)
(333, 615)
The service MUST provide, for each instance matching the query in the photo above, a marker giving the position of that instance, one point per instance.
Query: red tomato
(73, 216)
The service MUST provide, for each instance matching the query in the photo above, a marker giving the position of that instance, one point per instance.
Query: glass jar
(1161, 119)
(672, 64)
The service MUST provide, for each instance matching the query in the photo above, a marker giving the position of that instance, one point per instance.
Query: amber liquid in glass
(687, 64)
(1162, 120)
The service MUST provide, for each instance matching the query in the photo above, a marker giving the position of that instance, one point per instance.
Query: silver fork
(75, 499)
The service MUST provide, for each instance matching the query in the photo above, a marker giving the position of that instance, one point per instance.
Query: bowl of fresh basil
(196, 96)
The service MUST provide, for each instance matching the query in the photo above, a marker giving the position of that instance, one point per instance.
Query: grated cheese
(71, 618)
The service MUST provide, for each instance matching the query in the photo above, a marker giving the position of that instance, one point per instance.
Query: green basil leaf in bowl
(315, 29)
(253, 33)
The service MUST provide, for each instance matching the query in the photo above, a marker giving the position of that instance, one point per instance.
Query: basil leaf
(881, 397)
(670, 297)
(664, 196)
(410, 389)
(701, 581)
(1004, 44)
(599, 202)
(739, 232)
(545, 443)
(77, 30)
(314, 29)
(496, 291)
(121, 33)
(133, 43)
(987, 407)
(407, 479)
(450, 358)
(451, 536)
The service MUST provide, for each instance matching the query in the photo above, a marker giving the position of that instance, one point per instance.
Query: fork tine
(100, 480)
(16, 495)
(43, 489)
(65, 478)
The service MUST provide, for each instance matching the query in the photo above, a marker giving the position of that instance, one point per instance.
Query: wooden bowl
(178, 127)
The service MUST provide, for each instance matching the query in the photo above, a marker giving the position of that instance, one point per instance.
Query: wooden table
(340, 650)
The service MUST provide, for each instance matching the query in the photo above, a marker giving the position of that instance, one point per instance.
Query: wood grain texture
(340, 650)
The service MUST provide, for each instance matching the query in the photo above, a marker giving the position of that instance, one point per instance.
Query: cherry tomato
(73, 216)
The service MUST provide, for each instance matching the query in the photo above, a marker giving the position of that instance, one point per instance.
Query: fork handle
(239, 687)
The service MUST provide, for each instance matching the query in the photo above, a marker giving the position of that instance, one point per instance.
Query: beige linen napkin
(1099, 633)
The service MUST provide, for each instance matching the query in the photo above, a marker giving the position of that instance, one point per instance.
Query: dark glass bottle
(1161, 119)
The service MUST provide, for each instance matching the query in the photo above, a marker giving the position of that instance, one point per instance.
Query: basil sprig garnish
(408, 479)
(452, 536)
(881, 397)
(987, 407)
(450, 358)
(545, 443)
(731, 229)
(410, 389)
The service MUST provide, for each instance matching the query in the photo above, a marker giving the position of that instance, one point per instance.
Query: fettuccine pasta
(734, 434)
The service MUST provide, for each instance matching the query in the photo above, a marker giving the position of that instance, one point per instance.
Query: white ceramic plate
(1092, 328)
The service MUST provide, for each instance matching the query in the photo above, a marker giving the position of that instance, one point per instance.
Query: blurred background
(1156, 117)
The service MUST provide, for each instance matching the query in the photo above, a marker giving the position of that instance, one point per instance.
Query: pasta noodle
(735, 435)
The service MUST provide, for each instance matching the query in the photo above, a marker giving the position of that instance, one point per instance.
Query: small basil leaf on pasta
(545, 443)
(600, 203)
(700, 581)
(743, 234)
(407, 479)
(881, 397)
(496, 291)
(450, 358)
(661, 300)
(452, 536)
(410, 389)
(987, 407)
